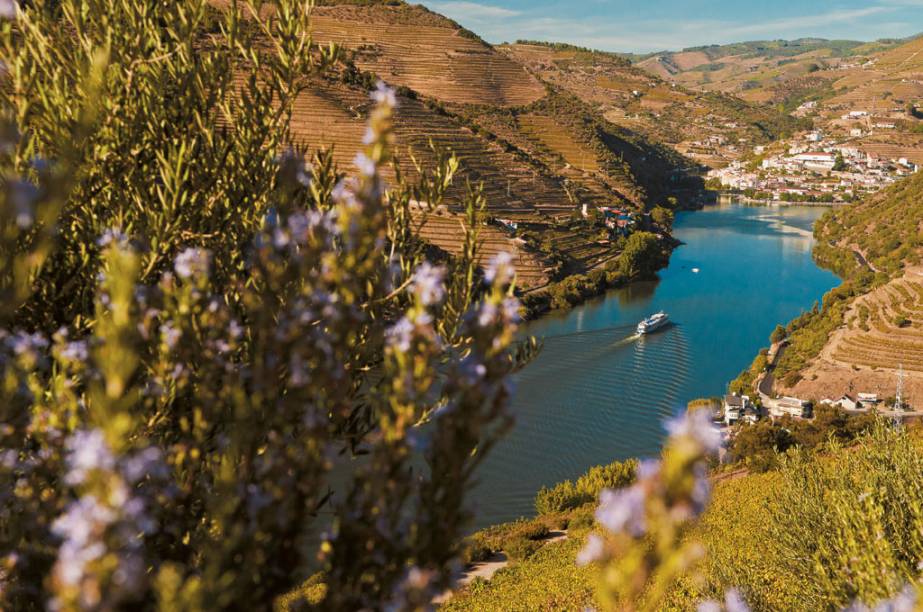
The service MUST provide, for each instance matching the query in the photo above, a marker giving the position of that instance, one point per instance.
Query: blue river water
(597, 393)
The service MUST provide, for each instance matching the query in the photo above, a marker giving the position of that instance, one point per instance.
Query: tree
(663, 217)
(642, 255)
(758, 444)
(839, 165)
(778, 334)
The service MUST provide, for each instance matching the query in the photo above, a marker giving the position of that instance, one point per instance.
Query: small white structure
(869, 399)
(845, 402)
(736, 408)
(791, 406)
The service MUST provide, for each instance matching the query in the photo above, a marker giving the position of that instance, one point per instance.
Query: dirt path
(487, 569)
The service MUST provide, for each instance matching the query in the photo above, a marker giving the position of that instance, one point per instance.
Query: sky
(656, 25)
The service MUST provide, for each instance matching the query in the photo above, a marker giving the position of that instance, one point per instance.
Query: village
(736, 410)
(815, 167)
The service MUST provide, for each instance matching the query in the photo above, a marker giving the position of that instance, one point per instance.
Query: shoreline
(754, 201)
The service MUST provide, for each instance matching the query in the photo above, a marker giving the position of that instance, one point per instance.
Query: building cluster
(814, 168)
(619, 221)
(741, 409)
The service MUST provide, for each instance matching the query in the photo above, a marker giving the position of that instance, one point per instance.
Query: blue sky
(654, 25)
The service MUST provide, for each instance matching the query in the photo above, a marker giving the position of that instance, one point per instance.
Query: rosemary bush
(196, 325)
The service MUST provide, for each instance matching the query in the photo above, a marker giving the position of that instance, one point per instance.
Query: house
(791, 406)
(869, 399)
(751, 414)
(816, 158)
(845, 402)
(735, 408)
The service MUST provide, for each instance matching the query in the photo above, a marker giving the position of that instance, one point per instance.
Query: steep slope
(542, 156)
(412, 46)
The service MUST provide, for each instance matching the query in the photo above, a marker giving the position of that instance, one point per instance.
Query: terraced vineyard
(882, 333)
(442, 230)
(411, 46)
(559, 140)
(885, 327)
(539, 155)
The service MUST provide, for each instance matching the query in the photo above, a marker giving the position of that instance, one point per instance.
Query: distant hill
(635, 100)
(753, 69)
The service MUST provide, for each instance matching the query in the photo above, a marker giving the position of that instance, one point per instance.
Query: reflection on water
(597, 392)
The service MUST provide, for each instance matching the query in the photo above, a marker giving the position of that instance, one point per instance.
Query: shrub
(519, 549)
(195, 325)
(567, 495)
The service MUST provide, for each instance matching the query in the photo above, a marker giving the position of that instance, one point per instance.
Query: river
(597, 393)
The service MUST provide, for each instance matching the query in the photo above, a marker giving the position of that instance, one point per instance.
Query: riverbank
(742, 198)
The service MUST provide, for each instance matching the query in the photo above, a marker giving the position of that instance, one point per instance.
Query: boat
(695, 270)
(652, 323)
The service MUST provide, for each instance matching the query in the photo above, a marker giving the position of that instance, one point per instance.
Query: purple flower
(384, 95)
(192, 261)
(8, 9)
(110, 236)
(80, 527)
(88, 451)
(593, 551)
(365, 165)
(369, 136)
(622, 511)
(24, 195)
(697, 426)
(510, 310)
(733, 602)
(170, 335)
(500, 270)
(428, 283)
(648, 469)
(75, 351)
(400, 335)
(146, 462)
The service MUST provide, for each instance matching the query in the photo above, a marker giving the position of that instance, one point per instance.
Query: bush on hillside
(568, 495)
(824, 531)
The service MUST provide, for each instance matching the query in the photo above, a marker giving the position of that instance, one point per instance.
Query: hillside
(412, 46)
(871, 326)
(821, 533)
(542, 155)
(710, 127)
(759, 71)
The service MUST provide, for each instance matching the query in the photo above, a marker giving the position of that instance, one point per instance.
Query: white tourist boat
(653, 323)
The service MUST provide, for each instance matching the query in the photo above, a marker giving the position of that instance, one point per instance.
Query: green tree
(778, 334)
(642, 255)
(663, 217)
(839, 165)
